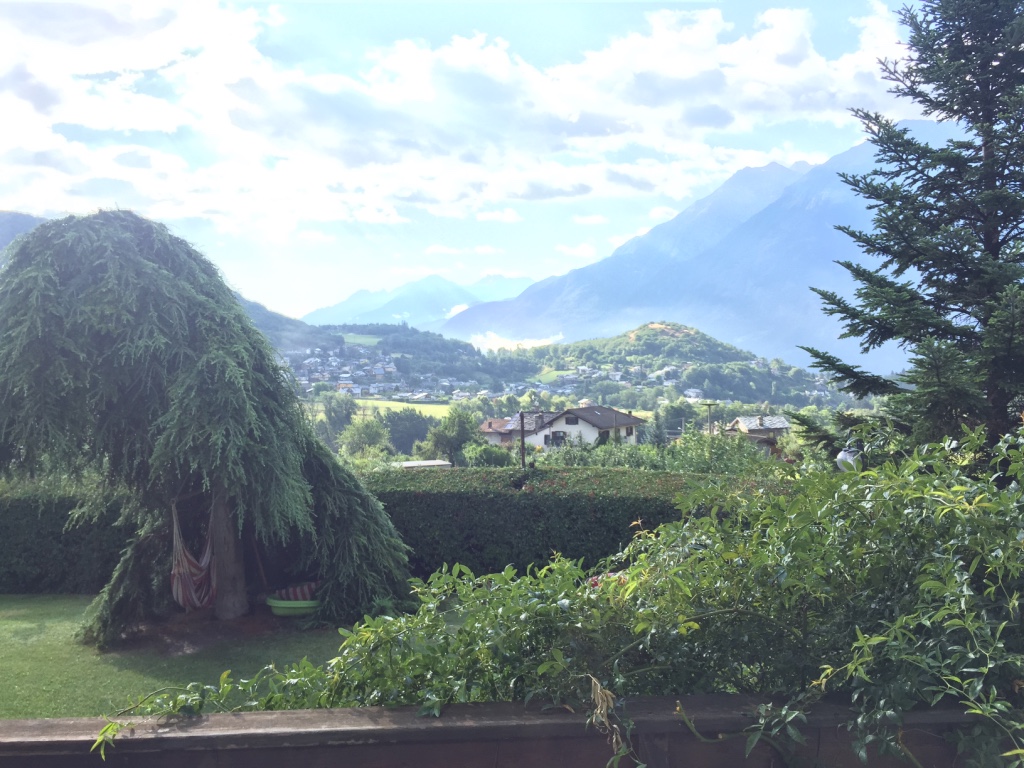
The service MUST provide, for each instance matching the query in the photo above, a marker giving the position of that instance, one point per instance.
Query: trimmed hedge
(38, 555)
(486, 518)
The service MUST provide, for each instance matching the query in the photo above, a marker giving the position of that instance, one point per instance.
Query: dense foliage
(948, 227)
(124, 351)
(490, 517)
(41, 553)
(695, 452)
(893, 588)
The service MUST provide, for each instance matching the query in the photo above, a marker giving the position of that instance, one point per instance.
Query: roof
(532, 421)
(602, 417)
(759, 423)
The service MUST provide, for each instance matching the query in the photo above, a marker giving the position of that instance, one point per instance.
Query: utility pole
(711, 460)
(522, 439)
(709, 405)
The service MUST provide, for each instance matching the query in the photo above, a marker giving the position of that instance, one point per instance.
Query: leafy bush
(40, 551)
(896, 587)
(484, 455)
(693, 452)
(487, 518)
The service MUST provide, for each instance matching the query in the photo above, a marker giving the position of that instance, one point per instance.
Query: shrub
(894, 588)
(694, 452)
(487, 518)
(40, 552)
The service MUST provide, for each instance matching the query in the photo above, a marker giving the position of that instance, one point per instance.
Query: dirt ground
(187, 633)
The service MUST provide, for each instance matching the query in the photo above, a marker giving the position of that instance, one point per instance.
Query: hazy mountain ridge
(425, 304)
(13, 224)
(738, 264)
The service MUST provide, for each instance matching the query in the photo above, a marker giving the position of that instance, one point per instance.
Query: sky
(312, 149)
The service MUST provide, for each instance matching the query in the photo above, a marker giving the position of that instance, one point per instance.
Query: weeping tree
(121, 349)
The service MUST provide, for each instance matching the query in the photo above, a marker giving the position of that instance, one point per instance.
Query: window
(629, 431)
(572, 421)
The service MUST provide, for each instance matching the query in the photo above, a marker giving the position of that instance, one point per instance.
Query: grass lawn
(47, 674)
(437, 410)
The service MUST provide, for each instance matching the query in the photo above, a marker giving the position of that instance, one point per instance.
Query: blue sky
(312, 149)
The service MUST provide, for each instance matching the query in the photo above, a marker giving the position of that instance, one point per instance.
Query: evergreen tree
(121, 347)
(948, 226)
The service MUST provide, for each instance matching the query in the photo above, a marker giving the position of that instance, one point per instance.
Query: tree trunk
(229, 562)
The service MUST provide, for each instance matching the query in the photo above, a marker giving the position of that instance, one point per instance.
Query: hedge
(38, 555)
(486, 518)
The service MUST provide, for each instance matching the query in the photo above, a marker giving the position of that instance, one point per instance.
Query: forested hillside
(670, 354)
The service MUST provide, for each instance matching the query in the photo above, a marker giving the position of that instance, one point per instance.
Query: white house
(506, 430)
(594, 424)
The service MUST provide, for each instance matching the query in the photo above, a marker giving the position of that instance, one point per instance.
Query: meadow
(366, 406)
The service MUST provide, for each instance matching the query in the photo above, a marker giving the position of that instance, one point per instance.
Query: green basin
(280, 607)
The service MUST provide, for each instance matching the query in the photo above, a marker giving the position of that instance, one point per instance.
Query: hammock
(193, 582)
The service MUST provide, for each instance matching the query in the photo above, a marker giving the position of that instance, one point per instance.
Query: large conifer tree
(948, 226)
(121, 347)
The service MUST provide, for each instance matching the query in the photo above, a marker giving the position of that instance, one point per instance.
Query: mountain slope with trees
(669, 358)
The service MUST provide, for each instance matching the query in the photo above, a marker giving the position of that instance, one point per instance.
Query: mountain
(737, 264)
(13, 224)
(285, 333)
(498, 287)
(629, 287)
(424, 304)
(666, 352)
(652, 344)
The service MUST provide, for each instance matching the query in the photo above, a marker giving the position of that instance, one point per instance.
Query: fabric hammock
(193, 582)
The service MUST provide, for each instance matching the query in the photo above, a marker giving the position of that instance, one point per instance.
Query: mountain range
(737, 264)
(425, 304)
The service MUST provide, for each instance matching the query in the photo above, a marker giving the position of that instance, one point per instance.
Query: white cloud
(456, 309)
(508, 216)
(275, 145)
(663, 213)
(442, 249)
(492, 341)
(596, 218)
(582, 251)
(315, 236)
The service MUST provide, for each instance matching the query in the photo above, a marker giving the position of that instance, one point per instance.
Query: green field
(550, 375)
(362, 339)
(437, 410)
(47, 674)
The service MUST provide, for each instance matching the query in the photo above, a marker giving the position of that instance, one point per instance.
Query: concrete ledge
(486, 735)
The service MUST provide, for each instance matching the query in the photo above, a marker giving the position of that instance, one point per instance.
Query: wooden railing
(465, 736)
